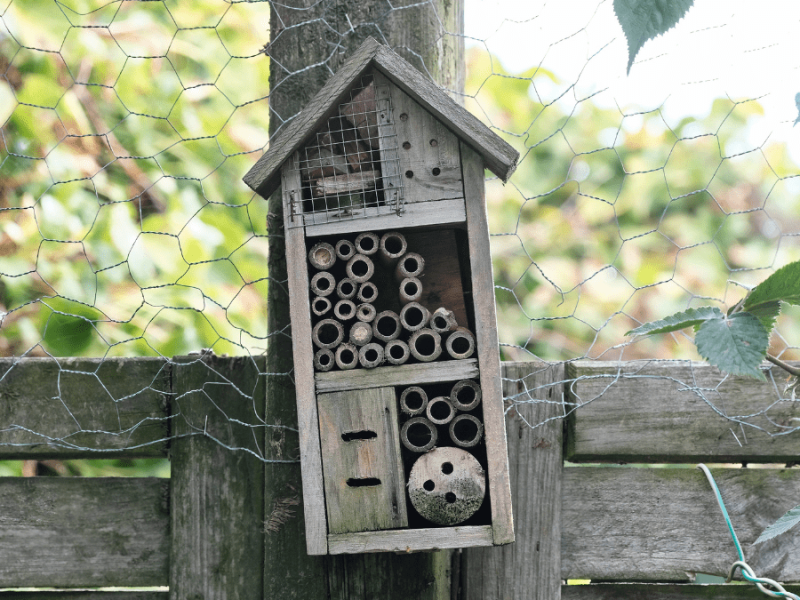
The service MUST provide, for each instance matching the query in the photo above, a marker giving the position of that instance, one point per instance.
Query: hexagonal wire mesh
(125, 229)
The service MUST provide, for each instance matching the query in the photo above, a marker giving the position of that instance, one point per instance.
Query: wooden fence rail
(202, 533)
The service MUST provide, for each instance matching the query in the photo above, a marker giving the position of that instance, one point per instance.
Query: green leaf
(783, 284)
(642, 20)
(767, 313)
(736, 344)
(681, 320)
(782, 525)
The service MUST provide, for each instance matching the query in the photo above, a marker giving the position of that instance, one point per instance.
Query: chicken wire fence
(125, 229)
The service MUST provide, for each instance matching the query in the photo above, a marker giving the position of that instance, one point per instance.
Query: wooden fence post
(303, 34)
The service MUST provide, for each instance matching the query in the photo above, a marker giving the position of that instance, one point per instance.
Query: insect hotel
(396, 357)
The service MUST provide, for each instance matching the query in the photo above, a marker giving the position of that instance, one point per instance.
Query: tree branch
(785, 366)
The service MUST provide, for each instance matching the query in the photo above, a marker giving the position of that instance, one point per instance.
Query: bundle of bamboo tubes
(350, 331)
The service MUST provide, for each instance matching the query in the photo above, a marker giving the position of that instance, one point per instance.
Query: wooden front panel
(364, 482)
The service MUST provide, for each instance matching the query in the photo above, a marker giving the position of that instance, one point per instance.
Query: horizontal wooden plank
(665, 591)
(83, 595)
(84, 407)
(83, 532)
(654, 411)
(440, 212)
(659, 524)
(415, 374)
(410, 540)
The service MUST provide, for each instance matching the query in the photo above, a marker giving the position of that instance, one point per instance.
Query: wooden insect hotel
(396, 356)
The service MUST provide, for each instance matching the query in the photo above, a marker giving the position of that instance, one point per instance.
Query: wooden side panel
(529, 569)
(671, 422)
(390, 160)
(38, 595)
(410, 540)
(413, 374)
(303, 355)
(83, 532)
(655, 591)
(488, 346)
(430, 165)
(217, 485)
(51, 408)
(632, 524)
(364, 482)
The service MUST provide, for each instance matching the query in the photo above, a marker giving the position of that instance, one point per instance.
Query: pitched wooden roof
(499, 156)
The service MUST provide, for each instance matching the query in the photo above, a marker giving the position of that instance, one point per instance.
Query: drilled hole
(404, 117)
(450, 497)
(406, 145)
(358, 435)
(447, 468)
(409, 174)
(434, 143)
(429, 485)
(364, 482)
(436, 171)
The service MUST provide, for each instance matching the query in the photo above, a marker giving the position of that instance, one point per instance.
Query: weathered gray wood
(531, 567)
(650, 411)
(439, 212)
(388, 142)
(83, 532)
(665, 591)
(488, 346)
(347, 461)
(409, 540)
(68, 595)
(409, 374)
(303, 360)
(500, 157)
(83, 407)
(217, 485)
(634, 524)
(352, 182)
(423, 144)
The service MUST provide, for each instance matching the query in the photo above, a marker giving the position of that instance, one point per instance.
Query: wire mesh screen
(125, 229)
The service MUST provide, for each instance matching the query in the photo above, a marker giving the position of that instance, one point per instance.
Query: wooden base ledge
(660, 591)
(360, 379)
(410, 540)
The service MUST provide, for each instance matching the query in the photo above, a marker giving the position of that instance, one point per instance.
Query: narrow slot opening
(363, 482)
(425, 344)
(351, 436)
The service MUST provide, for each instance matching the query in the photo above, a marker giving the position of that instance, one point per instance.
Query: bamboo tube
(366, 312)
(386, 326)
(414, 316)
(410, 265)
(371, 355)
(347, 357)
(410, 290)
(418, 434)
(323, 284)
(443, 320)
(344, 310)
(328, 333)
(440, 411)
(323, 360)
(425, 345)
(460, 344)
(447, 486)
(413, 401)
(466, 431)
(360, 268)
(346, 289)
(322, 256)
(397, 352)
(368, 292)
(345, 249)
(320, 305)
(360, 333)
(392, 246)
(367, 243)
(466, 395)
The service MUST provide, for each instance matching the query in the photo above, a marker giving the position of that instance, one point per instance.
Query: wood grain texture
(531, 567)
(410, 540)
(50, 408)
(303, 358)
(81, 595)
(83, 532)
(647, 411)
(408, 374)
(440, 212)
(389, 145)
(424, 144)
(665, 591)
(363, 507)
(217, 485)
(441, 280)
(634, 524)
(488, 346)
